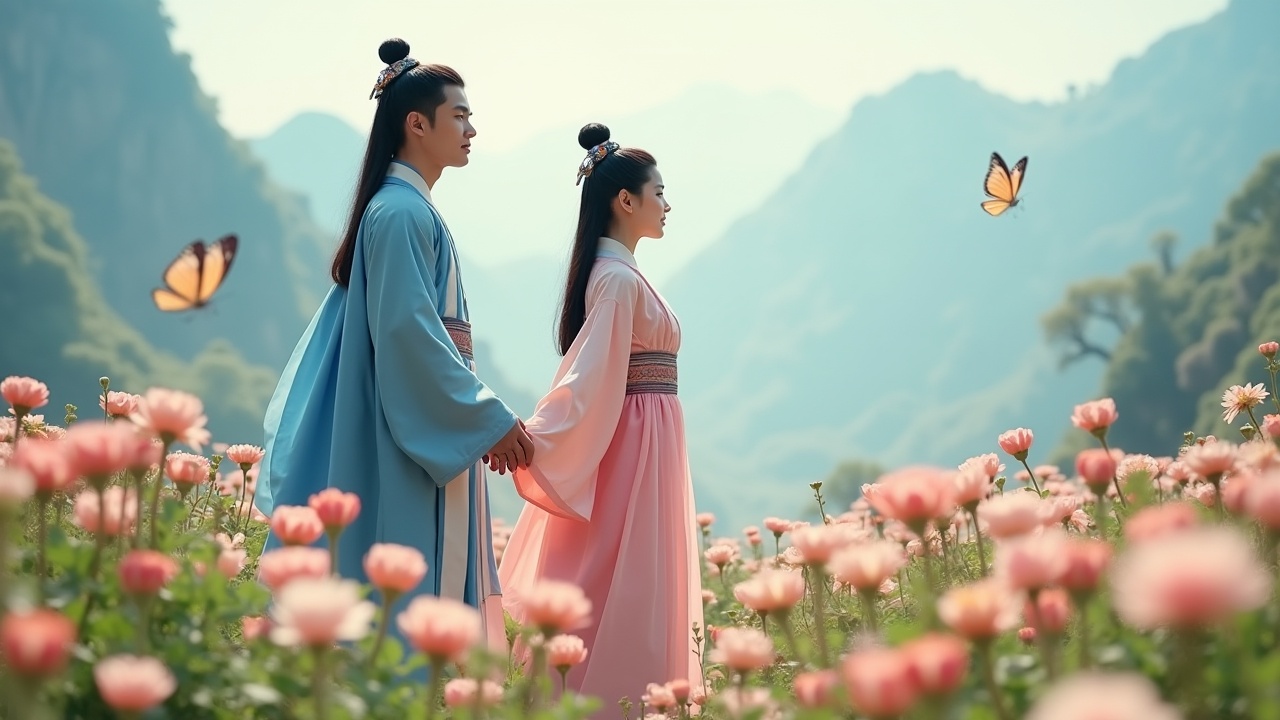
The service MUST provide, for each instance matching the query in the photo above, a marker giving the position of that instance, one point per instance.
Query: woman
(610, 503)
(380, 398)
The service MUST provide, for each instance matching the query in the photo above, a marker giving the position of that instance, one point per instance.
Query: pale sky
(536, 65)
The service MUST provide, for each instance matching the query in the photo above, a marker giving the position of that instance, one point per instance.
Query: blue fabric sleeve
(438, 411)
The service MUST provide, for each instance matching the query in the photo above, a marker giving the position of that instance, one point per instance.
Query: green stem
(433, 689)
(320, 683)
(784, 619)
(989, 679)
(1273, 367)
(1081, 601)
(819, 613)
(333, 551)
(1034, 484)
(977, 539)
(1187, 673)
(18, 415)
(1257, 426)
(42, 555)
(869, 609)
(384, 622)
(1115, 479)
(155, 500)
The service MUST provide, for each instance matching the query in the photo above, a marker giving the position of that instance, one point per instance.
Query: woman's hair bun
(393, 50)
(592, 135)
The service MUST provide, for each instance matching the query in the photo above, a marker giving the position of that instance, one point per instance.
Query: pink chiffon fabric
(609, 498)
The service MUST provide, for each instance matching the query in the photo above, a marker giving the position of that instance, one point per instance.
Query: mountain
(124, 138)
(318, 156)
(513, 213)
(59, 329)
(869, 309)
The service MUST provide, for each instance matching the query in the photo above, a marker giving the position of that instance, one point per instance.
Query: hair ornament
(594, 157)
(390, 73)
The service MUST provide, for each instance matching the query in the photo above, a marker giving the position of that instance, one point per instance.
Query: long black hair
(419, 89)
(623, 169)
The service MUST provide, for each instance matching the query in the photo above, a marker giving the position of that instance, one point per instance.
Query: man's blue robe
(378, 400)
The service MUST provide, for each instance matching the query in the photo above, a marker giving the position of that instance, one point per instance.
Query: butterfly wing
(995, 207)
(1002, 184)
(182, 280)
(217, 263)
(1015, 177)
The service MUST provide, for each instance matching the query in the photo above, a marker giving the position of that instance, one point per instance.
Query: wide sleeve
(438, 411)
(575, 421)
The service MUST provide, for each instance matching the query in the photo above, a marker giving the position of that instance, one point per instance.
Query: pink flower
(1092, 695)
(555, 607)
(441, 628)
(317, 612)
(1016, 442)
(815, 689)
(866, 566)
(658, 697)
(1095, 416)
(98, 449)
(719, 555)
(777, 525)
(173, 416)
(47, 463)
(119, 404)
(979, 610)
(879, 682)
(705, 520)
(816, 543)
(245, 454)
(336, 509)
(1159, 521)
(36, 643)
(680, 689)
(134, 684)
(187, 470)
(743, 649)
(144, 572)
(1211, 460)
(914, 495)
(461, 692)
(278, 568)
(1191, 578)
(1027, 635)
(972, 485)
(394, 569)
(1032, 562)
(16, 487)
(231, 562)
(1240, 398)
(24, 394)
(1014, 514)
(296, 524)
(1268, 350)
(988, 464)
(1096, 467)
(1049, 612)
(936, 663)
(771, 591)
(116, 509)
(565, 651)
(254, 627)
(1086, 559)
(1271, 426)
(1261, 499)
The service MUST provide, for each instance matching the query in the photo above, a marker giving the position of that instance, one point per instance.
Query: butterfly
(1002, 184)
(193, 276)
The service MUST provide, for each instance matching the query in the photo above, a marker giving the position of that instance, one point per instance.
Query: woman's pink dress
(610, 501)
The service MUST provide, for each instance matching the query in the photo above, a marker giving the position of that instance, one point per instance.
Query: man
(380, 397)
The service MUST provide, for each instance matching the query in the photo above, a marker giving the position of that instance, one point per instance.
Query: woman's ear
(626, 202)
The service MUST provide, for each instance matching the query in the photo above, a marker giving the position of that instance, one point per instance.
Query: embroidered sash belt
(460, 332)
(652, 372)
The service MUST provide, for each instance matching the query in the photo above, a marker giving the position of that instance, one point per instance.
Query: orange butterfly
(1002, 184)
(193, 276)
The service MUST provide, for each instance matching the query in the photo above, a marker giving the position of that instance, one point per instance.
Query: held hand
(515, 449)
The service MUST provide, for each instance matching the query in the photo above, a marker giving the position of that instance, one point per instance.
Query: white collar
(614, 249)
(401, 170)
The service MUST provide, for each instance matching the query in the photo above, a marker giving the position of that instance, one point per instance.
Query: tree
(843, 486)
(1163, 243)
(1070, 324)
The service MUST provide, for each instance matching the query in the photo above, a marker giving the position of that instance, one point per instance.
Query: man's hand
(514, 450)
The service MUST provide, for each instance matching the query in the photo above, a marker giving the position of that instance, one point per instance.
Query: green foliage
(843, 486)
(61, 330)
(1198, 324)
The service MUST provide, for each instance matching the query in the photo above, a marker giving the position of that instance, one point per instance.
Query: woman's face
(651, 208)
